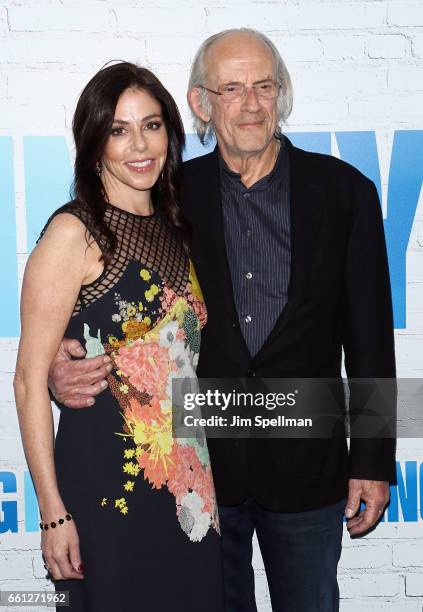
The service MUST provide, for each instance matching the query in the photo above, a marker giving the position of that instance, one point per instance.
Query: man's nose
(251, 100)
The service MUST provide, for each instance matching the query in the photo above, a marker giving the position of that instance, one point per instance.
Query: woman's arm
(57, 267)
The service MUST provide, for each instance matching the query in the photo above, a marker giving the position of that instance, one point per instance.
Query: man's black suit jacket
(339, 296)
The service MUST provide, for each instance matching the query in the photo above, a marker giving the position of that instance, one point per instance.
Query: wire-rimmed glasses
(233, 92)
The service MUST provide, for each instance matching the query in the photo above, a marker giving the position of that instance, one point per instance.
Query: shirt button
(246, 195)
(248, 319)
(248, 232)
(251, 373)
(249, 276)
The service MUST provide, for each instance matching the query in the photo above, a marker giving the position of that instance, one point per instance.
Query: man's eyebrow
(255, 82)
(231, 83)
(146, 118)
(263, 81)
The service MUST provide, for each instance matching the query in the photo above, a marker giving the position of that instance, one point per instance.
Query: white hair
(198, 78)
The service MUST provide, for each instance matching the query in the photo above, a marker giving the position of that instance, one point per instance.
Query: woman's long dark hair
(92, 124)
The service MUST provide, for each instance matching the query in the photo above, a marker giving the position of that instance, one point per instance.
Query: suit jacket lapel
(215, 247)
(306, 203)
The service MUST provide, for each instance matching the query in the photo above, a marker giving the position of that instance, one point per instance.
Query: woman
(129, 519)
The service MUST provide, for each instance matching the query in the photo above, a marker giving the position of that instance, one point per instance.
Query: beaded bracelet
(53, 524)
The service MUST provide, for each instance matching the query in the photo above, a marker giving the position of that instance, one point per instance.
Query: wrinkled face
(248, 125)
(136, 149)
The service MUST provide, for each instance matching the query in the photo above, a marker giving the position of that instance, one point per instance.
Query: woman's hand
(60, 547)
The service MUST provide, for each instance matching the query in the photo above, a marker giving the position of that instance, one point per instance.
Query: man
(290, 253)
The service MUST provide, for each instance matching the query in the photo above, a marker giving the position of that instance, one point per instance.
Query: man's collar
(263, 182)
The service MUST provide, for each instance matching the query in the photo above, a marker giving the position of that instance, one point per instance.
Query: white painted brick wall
(16, 565)
(417, 45)
(369, 584)
(162, 20)
(408, 555)
(388, 46)
(343, 46)
(46, 17)
(414, 585)
(355, 65)
(405, 14)
(383, 605)
(363, 556)
(405, 78)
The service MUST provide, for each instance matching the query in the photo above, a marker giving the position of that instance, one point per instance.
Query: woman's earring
(98, 169)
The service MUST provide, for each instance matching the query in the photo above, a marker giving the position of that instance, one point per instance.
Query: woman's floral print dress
(143, 501)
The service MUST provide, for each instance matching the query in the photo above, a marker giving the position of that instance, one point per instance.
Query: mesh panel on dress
(149, 240)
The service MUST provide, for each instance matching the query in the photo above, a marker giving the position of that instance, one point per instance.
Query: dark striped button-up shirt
(256, 224)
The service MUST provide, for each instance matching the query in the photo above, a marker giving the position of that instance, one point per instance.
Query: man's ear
(194, 101)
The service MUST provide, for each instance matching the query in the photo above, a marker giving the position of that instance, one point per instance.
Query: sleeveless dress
(143, 502)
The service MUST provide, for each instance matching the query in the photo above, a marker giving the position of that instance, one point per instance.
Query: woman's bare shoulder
(65, 225)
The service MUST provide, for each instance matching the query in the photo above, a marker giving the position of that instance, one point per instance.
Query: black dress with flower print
(143, 502)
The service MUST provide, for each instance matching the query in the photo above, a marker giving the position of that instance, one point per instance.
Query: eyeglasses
(233, 92)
